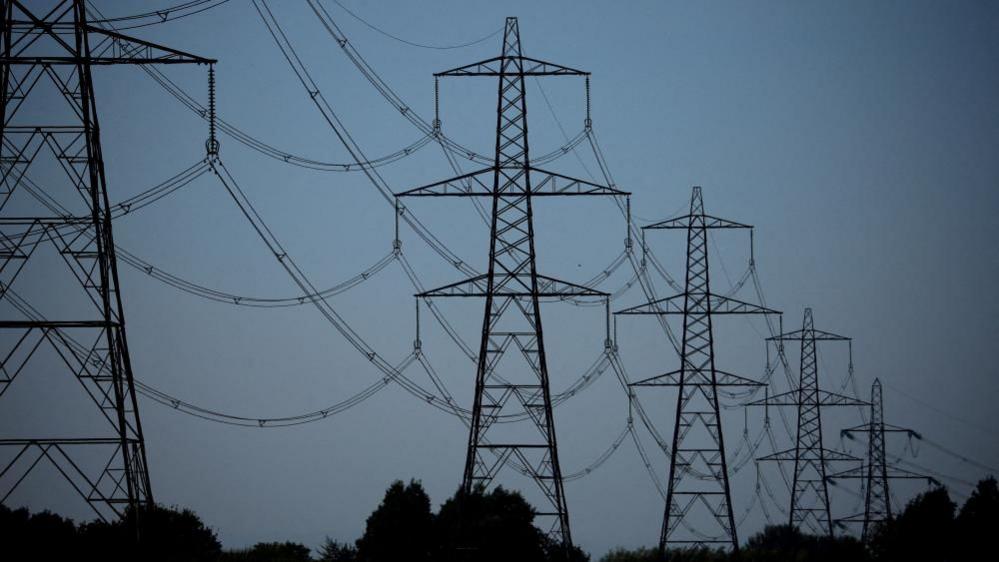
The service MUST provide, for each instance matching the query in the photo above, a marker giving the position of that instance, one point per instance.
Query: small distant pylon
(876, 471)
(698, 470)
(809, 492)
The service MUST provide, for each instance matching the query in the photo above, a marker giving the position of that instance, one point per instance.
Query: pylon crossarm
(480, 184)
(793, 398)
(886, 428)
(860, 472)
(716, 304)
(818, 335)
(546, 287)
(827, 454)
(528, 66)
(694, 378)
(687, 221)
(124, 49)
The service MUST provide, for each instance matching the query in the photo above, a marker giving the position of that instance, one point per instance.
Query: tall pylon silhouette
(809, 507)
(876, 471)
(698, 470)
(50, 127)
(512, 289)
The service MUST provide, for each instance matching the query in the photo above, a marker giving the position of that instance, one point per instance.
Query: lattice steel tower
(698, 471)
(876, 471)
(810, 490)
(512, 289)
(49, 114)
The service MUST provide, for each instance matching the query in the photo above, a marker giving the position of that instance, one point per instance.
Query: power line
(377, 29)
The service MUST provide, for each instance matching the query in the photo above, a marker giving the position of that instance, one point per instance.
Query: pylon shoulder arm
(494, 67)
(122, 49)
(131, 50)
(551, 183)
(478, 183)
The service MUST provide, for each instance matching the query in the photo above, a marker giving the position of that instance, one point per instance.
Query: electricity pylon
(50, 114)
(698, 470)
(875, 471)
(512, 288)
(809, 491)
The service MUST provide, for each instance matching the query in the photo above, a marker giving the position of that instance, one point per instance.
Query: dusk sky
(858, 137)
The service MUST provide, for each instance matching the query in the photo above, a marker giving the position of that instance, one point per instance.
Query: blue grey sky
(858, 137)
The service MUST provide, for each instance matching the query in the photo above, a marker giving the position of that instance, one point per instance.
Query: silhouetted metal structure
(47, 55)
(698, 471)
(810, 490)
(512, 289)
(875, 471)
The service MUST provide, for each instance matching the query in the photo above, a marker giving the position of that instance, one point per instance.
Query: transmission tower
(50, 115)
(809, 491)
(512, 289)
(698, 471)
(875, 471)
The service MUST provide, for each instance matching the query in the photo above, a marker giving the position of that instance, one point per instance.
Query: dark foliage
(269, 552)
(493, 526)
(401, 528)
(168, 535)
(782, 542)
(41, 536)
(924, 532)
(978, 521)
(333, 551)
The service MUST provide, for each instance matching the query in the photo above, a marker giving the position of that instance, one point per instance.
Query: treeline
(930, 529)
(484, 526)
(495, 526)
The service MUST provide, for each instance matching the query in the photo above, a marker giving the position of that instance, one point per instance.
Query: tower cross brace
(698, 470)
(512, 289)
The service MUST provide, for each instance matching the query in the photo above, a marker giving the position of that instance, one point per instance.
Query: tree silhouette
(978, 521)
(269, 552)
(401, 528)
(333, 551)
(39, 536)
(498, 525)
(923, 532)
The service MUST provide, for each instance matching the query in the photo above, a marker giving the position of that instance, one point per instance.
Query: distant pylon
(49, 111)
(698, 470)
(876, 471)
(512, 289)
(809, 491)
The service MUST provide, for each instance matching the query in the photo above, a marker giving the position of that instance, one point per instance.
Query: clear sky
(858, 137)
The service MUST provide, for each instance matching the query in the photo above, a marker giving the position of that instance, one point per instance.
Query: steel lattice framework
(698, 471)
(48, 54)
(875, 471)
(810, 490)
(512, 288)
